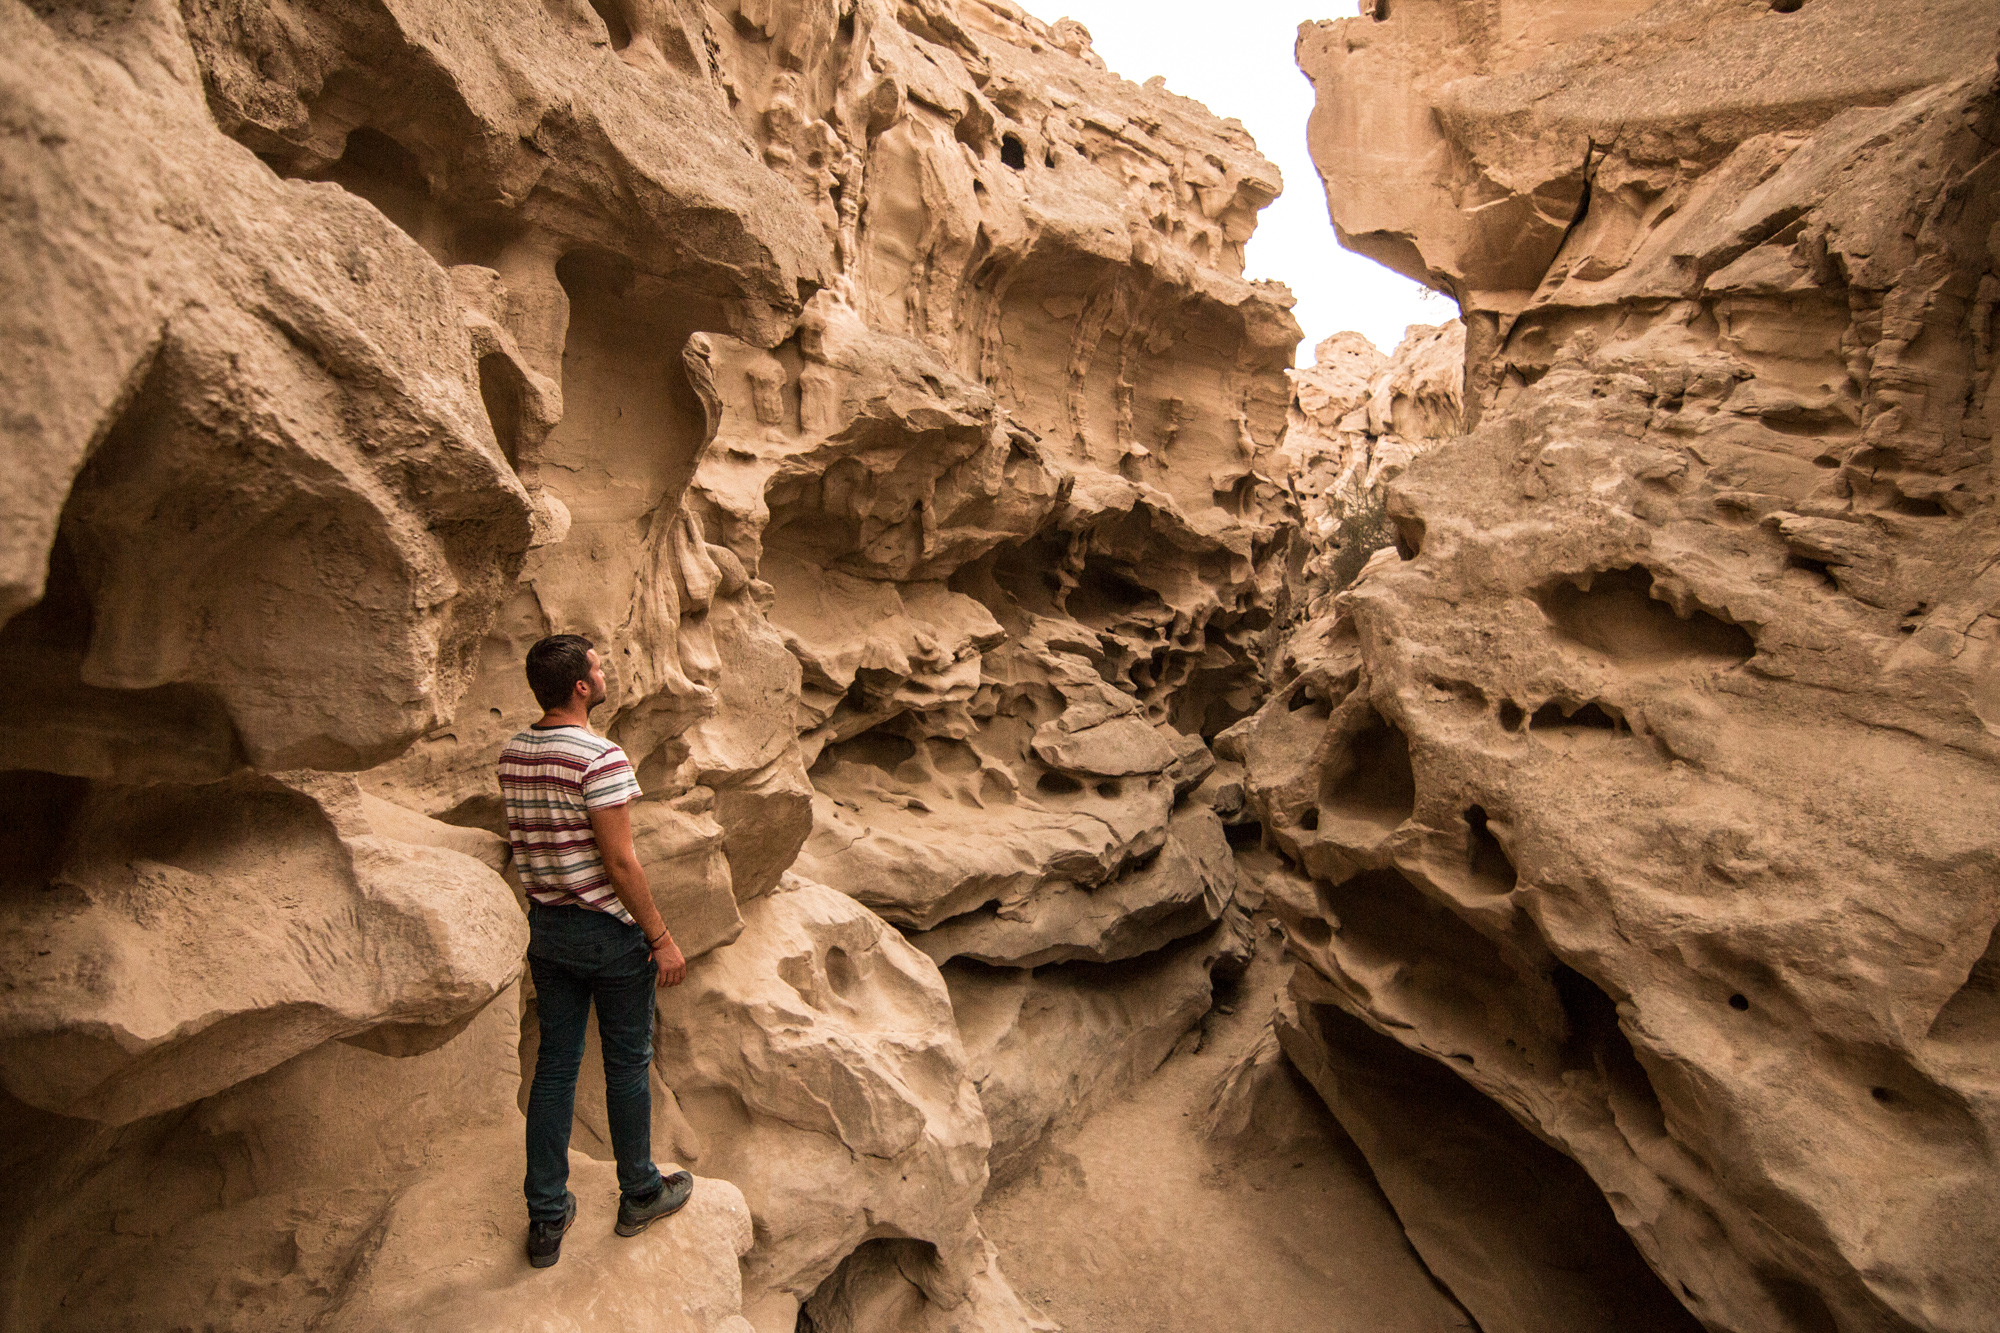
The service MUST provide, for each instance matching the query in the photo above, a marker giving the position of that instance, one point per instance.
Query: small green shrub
(1362, 530)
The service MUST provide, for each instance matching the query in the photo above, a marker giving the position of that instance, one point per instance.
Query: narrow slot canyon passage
(1451, 794)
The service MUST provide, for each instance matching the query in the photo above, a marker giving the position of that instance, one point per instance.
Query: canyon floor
(1141, 1219)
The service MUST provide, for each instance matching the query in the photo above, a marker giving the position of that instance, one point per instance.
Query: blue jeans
(576, 955)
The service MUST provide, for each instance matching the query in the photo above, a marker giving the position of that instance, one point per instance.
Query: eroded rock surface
(1646, 786)
(196, 936)
(1357, 419)
(875, 384)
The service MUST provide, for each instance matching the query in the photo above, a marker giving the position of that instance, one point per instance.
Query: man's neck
(575, 716)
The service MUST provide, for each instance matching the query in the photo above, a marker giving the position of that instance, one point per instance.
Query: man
(593, 934)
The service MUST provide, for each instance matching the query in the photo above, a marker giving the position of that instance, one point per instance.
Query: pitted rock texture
(818, 1064)
(875, 384)
(1646, 786)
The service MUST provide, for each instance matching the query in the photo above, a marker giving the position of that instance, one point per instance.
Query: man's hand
(667, 958)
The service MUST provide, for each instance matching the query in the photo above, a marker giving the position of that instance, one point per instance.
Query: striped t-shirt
(551, 779)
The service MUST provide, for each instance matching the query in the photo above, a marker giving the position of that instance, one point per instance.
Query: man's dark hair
(555, 665)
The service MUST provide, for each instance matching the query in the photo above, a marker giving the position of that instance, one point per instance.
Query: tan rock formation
(874, 383)
(1357, 419)
(1645, 788)
(155, 969)
(818, 1064)
(1047, 1046)
(343, 1189)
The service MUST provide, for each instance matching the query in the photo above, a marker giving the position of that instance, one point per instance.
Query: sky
(1236, 58)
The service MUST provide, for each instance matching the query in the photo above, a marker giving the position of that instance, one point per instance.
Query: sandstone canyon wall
(1004, 644)
(875, 383)
(1646, 783)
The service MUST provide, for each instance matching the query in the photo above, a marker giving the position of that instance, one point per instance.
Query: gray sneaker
(545, 1238)
(634, 1217)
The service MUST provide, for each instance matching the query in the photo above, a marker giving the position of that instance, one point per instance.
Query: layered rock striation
(1644, 784)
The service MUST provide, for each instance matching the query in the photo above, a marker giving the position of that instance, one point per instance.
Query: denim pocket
(585, 942)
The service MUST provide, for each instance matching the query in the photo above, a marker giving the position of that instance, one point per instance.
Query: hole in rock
(1594, 1040)
(1109, 790)
(373, 155)
(883, 750)
(1885, 1096)
(631, 422)
(1445, 970)
(1492, 869)
(1303, 697)
(1315, 931)
(386, 174)
(1106, 597)
(175, 729)
(1918, 507)
(841, 973)
(1241, 497)
(1249, 833)
(40, 809)
(1550, 716)
(1806, 422)
(1057, 784)
(1739, 1002)
(1803, 1308)
(1818, 569)
(1409, 536)
(1371, 777)
(1013, 152)
(879, 1286)
(1309, 818)
(974, 128)
(953, 758)
(1378, 10)
(1512, 715)
(500, 390)
(1618, 616)
(1787, 6)
(614, 24)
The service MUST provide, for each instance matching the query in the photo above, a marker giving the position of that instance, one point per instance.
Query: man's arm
(612, 826)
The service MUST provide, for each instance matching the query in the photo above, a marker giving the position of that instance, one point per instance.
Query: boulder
(195, 937)
(807, 1054)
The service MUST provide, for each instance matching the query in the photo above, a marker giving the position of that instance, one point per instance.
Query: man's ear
(582, 687)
